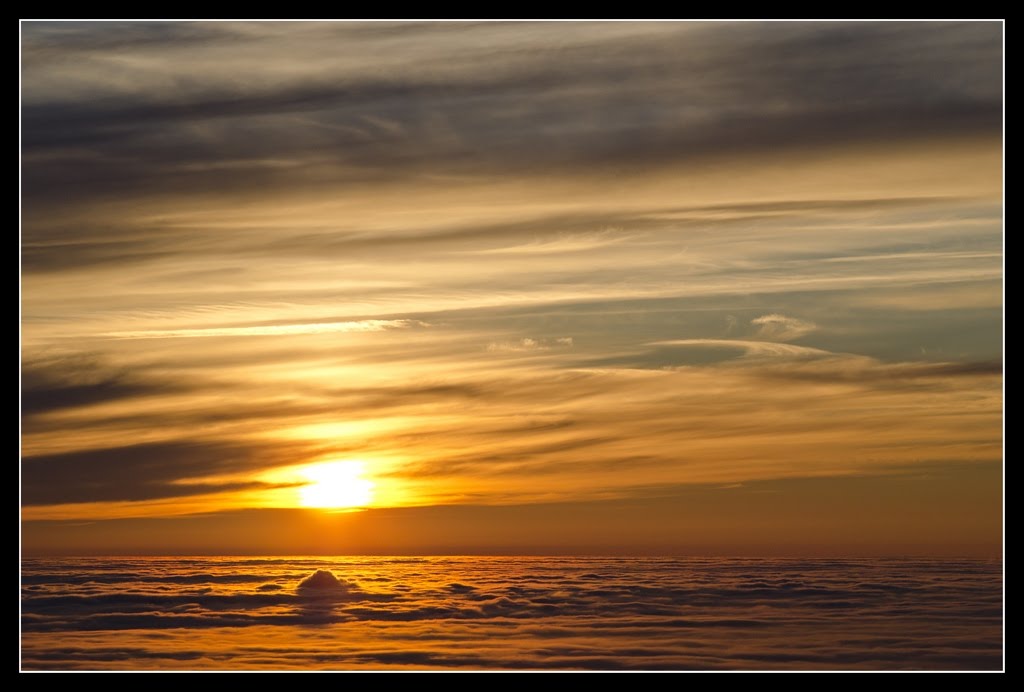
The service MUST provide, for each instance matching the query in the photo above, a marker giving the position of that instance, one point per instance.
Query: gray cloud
(613, 97)
(138, 472)
(58, 256)
(883, 375)
(62, 382)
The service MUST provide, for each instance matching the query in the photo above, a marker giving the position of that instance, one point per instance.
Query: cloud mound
(322, 581)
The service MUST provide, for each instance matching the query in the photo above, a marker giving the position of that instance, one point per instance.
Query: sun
(336, 485)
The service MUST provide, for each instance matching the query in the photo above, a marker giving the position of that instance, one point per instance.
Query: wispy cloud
(750, 348)
(530, 344)
(268, 330)
(562, 244)
(781, 328)
(737, 87)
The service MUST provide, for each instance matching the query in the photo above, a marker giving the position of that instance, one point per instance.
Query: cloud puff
(322, 581)
(775, 327)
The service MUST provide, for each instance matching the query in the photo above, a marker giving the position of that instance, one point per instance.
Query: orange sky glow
(619, 288)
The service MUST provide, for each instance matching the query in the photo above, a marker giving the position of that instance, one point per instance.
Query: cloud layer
(513, 613)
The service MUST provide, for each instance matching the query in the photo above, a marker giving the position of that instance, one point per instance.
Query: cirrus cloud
(776, 327)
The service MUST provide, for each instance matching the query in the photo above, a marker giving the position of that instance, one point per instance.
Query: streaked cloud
(267, 330)
(751, 348)
(530, 344)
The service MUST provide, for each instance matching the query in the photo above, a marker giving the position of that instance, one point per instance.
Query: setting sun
(337, 484)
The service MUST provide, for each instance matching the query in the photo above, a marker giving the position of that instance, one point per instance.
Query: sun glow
(336, 485)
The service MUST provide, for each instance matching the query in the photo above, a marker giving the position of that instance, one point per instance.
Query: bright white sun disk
(337, 484)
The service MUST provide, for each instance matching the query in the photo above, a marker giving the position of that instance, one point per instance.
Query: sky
(512, 288)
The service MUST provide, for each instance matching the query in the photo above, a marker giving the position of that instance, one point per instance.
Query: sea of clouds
(510, 613)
